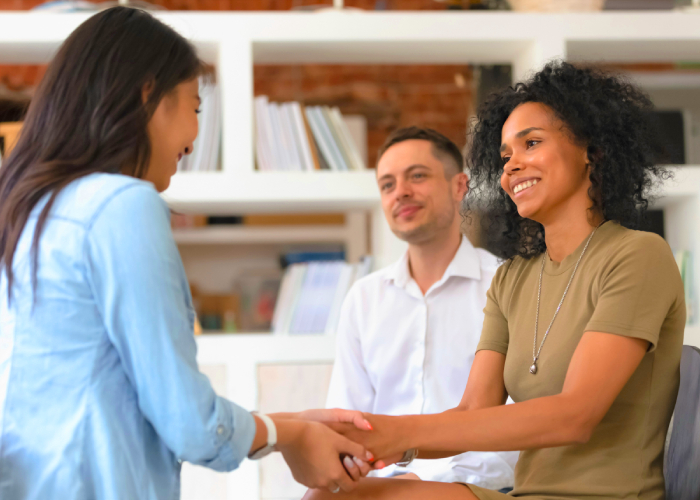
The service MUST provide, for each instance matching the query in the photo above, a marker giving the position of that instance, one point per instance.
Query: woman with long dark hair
(100, 394)
(584, 321)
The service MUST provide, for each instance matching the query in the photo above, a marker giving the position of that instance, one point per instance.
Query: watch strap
(408, 457)
(271, 438)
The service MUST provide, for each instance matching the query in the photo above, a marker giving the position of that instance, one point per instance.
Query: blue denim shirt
(100, 394)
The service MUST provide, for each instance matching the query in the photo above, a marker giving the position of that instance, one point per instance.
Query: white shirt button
(220, 430)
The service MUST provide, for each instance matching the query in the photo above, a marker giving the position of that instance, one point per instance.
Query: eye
(418, 176)
(531, 142)
(505, 159)
(385, 187)
(197, 110)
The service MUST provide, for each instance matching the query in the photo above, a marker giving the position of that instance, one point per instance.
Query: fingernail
(370, 457)
(348, 462)
(379, 465)
(369, 426)
(359, 462)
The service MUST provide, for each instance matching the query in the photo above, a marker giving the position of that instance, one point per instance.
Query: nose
(403, 189)
(512, 165)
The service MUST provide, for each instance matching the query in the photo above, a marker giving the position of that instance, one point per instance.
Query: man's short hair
(443, 148)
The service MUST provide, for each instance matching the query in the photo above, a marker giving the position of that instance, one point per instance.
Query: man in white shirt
(408, 333)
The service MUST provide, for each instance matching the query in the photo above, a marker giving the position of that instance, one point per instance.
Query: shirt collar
(465, 264)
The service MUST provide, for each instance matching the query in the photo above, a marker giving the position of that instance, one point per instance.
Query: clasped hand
(384, 437)
(319, 457)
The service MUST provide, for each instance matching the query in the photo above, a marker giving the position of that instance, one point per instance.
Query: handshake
(334, 449)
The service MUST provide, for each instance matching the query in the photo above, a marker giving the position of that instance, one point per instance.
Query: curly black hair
(607, 115)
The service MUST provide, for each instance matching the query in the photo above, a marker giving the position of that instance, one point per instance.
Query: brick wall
(264, 4)
(389, 96)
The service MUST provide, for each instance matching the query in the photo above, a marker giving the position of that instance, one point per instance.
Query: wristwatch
(408, 457)
(271, 438)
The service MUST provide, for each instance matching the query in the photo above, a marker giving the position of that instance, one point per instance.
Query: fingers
(364, 467)
(345, 481)
(351, 468)
(354, 417)
(347, 447)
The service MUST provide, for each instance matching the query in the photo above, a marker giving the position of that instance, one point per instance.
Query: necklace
(535, 351)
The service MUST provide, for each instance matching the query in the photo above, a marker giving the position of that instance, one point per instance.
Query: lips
(407, 210)
(520, 185)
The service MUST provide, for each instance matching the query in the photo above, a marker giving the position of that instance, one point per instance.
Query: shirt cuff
(235, 436)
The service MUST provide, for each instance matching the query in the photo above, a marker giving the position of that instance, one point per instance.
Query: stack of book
(292, 137)
(312, 293)
(205, 155)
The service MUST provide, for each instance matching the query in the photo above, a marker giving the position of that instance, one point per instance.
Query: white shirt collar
(465, 264)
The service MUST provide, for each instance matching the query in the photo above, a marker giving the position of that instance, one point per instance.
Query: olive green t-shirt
(626, 284)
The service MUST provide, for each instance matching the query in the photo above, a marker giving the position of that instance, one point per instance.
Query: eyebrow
(408, 170)
(519, 135)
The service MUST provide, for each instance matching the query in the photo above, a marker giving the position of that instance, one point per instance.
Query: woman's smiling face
(545, 171)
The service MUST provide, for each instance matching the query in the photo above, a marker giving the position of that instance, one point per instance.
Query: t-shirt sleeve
(638, 288)
(494, 333)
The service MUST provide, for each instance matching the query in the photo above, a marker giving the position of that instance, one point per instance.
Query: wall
(388, 96)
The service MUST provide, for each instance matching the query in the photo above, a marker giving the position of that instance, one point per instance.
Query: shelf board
(238, 235)
(397, 37)
(272, 192)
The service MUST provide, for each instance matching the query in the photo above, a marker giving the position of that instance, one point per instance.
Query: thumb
(354, 417)
(348, 447)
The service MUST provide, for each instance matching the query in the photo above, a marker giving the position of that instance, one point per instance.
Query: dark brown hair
(443, 148)
(88, 115)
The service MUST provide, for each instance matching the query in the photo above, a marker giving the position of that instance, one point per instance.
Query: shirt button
(220, 430)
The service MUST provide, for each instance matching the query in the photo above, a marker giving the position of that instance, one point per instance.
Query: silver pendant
(533, 368)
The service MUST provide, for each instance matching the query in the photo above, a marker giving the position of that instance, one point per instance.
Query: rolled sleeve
(143, 296)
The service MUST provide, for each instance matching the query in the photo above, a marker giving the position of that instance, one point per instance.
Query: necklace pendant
(533, 368)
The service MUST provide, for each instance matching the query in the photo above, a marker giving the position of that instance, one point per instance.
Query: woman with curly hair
(584, 321)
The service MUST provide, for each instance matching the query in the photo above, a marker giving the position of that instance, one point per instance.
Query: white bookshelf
(245, 235)
(236, 41)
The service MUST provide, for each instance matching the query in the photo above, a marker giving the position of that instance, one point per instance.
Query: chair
(682, 461)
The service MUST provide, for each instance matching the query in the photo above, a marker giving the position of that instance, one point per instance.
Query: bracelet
(408, 457)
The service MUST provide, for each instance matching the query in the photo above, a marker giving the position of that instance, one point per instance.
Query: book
(337, 138)
(312, 143)
(355, 157)
(323, 137)
(262, 140)
(302, 137)
(289, 136)
(291, 142)
(312, 294)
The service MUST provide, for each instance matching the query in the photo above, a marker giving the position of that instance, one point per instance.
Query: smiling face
(545, 172)
(172, 131)
(418, 199)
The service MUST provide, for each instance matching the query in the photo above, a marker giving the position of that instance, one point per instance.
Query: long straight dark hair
(88, 115)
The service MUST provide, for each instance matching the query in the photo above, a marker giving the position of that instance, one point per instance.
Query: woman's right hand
(313, 453)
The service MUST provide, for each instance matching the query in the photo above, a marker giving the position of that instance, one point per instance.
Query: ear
(146, 91)
(460, 184)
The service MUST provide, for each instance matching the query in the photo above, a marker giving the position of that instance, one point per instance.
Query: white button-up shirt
(400, 352)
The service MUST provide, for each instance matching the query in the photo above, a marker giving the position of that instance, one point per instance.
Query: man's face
(419, 201)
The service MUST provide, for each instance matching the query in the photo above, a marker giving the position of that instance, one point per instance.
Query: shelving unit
(235, 41)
